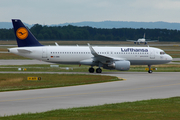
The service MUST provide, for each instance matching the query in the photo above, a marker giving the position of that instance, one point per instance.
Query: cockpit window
(162, 53)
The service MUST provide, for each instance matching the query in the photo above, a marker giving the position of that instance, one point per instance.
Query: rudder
(24, 37)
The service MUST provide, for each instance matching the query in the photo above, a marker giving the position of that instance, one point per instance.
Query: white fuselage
(76, 54)
(141, 40)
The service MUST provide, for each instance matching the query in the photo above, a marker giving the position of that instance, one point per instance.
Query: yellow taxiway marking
(121, 78)
(89, 93)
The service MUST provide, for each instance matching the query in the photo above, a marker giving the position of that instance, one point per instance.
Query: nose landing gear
(149, 71)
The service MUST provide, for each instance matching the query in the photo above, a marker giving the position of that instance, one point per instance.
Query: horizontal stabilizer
(24, 51)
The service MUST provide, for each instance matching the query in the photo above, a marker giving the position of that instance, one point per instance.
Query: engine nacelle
(118, 65)
(122, 65)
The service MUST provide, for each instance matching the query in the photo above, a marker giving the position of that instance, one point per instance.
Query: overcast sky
(48, 12)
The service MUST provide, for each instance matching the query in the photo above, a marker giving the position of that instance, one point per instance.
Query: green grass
(177, 61)
(156, 109)
(45, 68)
(83, 68)
(10, 56)
(160, 68)
(9, 82)
(148, 109)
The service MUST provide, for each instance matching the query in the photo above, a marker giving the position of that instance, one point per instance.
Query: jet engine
(118, 65)
(122, 65)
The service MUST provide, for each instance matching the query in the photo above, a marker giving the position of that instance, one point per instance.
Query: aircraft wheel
(91, 70)
(150, 71)
(98, 70)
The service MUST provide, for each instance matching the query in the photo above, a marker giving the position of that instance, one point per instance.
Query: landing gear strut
(91, 70)
(149, 71)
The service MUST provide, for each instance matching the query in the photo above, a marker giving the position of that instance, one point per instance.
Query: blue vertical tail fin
(24, 37)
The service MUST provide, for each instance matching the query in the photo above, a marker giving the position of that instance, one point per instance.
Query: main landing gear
(149, 71)
(91, 70)
(98, 70)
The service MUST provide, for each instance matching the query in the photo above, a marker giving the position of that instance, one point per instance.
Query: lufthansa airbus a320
(118, 58)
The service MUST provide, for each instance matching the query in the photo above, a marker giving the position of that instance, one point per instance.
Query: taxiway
(136, 86)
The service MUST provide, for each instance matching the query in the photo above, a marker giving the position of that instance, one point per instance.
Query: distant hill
(112, 24)
(124, 24)
(8, 25)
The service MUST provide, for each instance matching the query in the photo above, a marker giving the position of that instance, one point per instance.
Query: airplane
(111, 58)
(142, 40)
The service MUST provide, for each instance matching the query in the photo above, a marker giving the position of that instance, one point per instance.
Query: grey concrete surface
(22, 62)
(136, 86)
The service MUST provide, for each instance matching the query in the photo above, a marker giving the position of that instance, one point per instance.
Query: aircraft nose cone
(169, 58)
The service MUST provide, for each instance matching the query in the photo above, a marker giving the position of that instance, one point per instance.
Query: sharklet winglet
(93, 52)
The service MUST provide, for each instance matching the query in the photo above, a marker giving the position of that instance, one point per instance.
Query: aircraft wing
(152, 40)
(102, 58)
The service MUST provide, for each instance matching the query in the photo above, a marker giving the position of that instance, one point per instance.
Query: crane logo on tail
(22, 33)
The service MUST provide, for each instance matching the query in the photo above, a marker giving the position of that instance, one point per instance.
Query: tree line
(89, 33)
